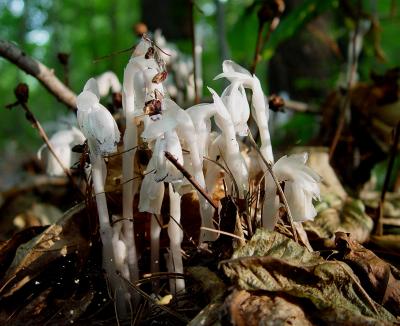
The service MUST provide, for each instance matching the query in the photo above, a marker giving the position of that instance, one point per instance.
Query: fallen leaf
(352, 218)
(275, 263)
(246, 309)
(32, 257)
(380, 279)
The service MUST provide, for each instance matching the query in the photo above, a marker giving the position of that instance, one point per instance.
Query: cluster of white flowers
(152, 118)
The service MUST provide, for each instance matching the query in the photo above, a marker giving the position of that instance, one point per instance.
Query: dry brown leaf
(58, 240)
(380, 279)
(246, 309)
(274, 263)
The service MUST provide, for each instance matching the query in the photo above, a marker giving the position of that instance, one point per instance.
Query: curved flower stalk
(62, 141)
(187, 130)
(225, 144)
(151, 197)
(152, 192)
(101, 132)
(175, 234)
(108, 81)
(237, 74)
(301, 187)
(133, 101)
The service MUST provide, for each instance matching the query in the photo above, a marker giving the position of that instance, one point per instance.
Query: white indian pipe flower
(229, 146)
(133, 101)
(96, 122)
(62, 141)
(108, 81)
(235, 100)
(300, 188)
(100, 129)
(237, 74)
(201, 116)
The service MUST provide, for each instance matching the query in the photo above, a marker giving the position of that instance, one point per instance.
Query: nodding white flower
(96, 122)
(300, 188)
(108, 81)
(238, 75)
(151, 191)
(235, 100)
(165, 170)
(230, 146)
(62, 141)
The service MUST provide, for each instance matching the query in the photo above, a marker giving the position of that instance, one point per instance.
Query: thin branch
(301, 107)
(280, 191)
(258, 47)
(38, 70)
(191, 179)
(393, 152)
(346, 101)
(224, 233)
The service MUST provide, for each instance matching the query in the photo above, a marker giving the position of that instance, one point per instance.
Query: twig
(35, 68)
(224, 233)
(280, 191)
(46, 139)
(258, 46)
(346, 100)
(191, 179)
(21, 93)
(393, 152)
(297, 106)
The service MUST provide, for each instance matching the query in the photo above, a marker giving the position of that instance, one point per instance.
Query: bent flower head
(300, 188)
(96, 122)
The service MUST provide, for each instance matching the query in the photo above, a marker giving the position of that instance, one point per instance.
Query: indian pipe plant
(154, 121)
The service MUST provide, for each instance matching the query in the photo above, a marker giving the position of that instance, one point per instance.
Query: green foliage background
(91, 29)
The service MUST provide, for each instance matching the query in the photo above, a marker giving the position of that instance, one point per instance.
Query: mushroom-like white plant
(101, 131)
(235, 100)
(186, 128)
(301, 187)
(133, 101)
(151, 197)
(108, 81)
(225, 144)
(237, 74)
(62, 141)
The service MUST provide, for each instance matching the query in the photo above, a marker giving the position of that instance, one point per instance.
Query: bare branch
(42, 73)
(191, 179)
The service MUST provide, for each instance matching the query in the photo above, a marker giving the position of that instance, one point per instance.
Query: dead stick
(347, 100)
(280, 191)
(191, 179)
(393, 152)
(45, 138)
(258, 47)
(38, 70)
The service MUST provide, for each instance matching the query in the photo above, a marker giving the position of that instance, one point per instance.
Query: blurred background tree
(303, 58)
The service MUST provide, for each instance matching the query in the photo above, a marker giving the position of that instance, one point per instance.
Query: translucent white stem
(155, 230)
(261, 114)
(175, 234)
(129, 185)
(106, 234)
